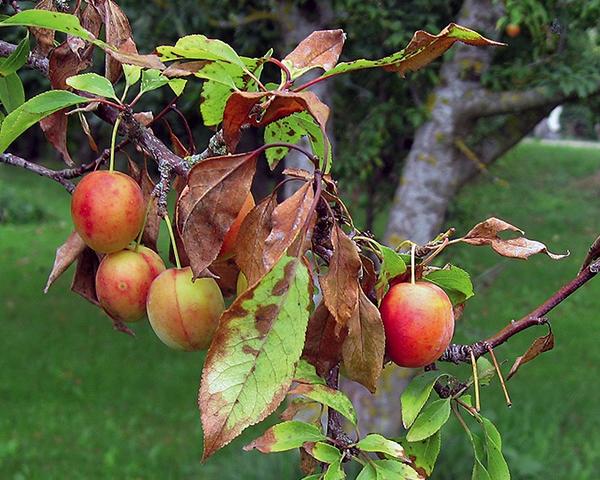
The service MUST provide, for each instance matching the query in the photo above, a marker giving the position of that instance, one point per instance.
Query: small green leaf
(424, 453)
(307, 373)
(454, 281)
(330, 397)
(16, 59)
(315, 476)
(416, 394)
(94, 84)
(479, 470)
(61, 22)
(378, 443)
(152, 79)
(430, 420)
(392, 265)
(33, 111)
(485, 371)
(335, 471)
(199, 47)
(12, 94)
(393, 470)
(177, 85)
(132, 74)
(324, 452)
(286, 436)
(367, 473)
(496, 466)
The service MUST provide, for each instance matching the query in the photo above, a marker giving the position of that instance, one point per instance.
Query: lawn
(81, 401)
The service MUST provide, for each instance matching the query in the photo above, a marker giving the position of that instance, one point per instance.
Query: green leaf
(315, 476)
(15, 60)
(454, 281)
(132, 74)
(251, 362)
(496, 465)
(430, 420)
(61, 22)
(335, 471)
(479, 470)
(199, 47)
(378, 443)
(416, 394)
(177, 85)
(12, 94)
(485, 371)
(307, 373)
(393, 470)
(392, 265)
(367, 473)
(324, 452)
(286, 436)
(33, 111)
(94, 84)
(330, 397)
(424, 453)
(152, 79)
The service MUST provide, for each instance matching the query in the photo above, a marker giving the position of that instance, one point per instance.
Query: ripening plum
(419, 323)
(183, 313)
(107, 210)
(231, 235)
(123, 280)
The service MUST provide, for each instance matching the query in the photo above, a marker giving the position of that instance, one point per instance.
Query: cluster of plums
(108, 213)
(132, 281)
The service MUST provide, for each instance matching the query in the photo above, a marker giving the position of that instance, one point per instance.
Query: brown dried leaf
(297, 173)
(84, 280)
(184, 69)
(364, 347)
(308, 464)
(144, 118)
(85, 126)
(250, 245)
(238, 110)
(64, 63)
(216, 190)
(43, 37)
(323, 345)
(55, 130)
(486, 233)
(539, 345)
(228, 272)
(66, 254)
(320, 49)
(178, 147)
(340, 285)
(127, 54)
(288, 219)
(369, 278)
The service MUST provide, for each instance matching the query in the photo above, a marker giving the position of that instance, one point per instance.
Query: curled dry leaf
(227, 272)
(215, 192)
(539, 345)
(364, 347)
(184, 69)
(320, 49)
(66, 254)
(84, 280)
(486, 233)
(340, 284)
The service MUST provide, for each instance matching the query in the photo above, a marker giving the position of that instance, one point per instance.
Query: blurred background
(509, 132)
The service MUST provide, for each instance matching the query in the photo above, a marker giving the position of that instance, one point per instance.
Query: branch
(461, 353)
(34, 61)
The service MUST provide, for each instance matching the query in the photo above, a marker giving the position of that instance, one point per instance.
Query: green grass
(79, 400)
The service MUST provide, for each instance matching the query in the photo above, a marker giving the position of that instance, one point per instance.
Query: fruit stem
(413, 248)
(139, 238)
(475, 381)
(172, 236)
(113, 141)
(504, 389)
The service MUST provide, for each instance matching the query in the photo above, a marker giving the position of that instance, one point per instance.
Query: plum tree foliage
(272, 340)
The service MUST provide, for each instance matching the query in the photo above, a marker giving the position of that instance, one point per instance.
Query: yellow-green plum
(123, 280)
(107, 210)
(242, 284)
(183, 313)
(419, 323)
(231, 235)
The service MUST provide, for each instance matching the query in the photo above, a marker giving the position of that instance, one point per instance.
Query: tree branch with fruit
(246, 276)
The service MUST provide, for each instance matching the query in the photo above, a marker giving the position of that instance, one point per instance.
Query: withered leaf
(288, 219)
(55, 130)
(320, 49)
(340, 284)
(227, 272)
(250, 245)
(43, 36)
(295, 406)
(216, 190)
(184, 69)
(128, 54)
(486, 233)
(84, 280)
(66, 254)
(178, 147)
(539, 345)
(238, 109)
(323, 344)
(364, 347)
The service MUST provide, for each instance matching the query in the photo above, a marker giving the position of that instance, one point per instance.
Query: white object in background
(554, 119)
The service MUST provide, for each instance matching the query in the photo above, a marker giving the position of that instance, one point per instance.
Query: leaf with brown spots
(340, 285)
(323, 346)
(84, 280)
(250, 244)
(216, 190)
(486, 233)
(288, 219)
(364, 347)
(321, 49)
(252, 359)
(66, 254)
(539, 345)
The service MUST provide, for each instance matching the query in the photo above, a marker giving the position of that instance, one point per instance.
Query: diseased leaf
(252, 359)
(454, 281)
(84, 280)
(33, 111)
(287, 220)
(227, 271)
(55, 130)
(298, 404)
(323, 345)
(415, 395)
(423, 454)
(340, 284)
(486, 233)
(378, 443)
(306, 373)
(363, 349)
(321, 49)
(330, 397)
(286, 436)
(94, 84)
(430, 420)
(66, 254)
(216, 190)
(539, 345)
(323, 452)
(496, 465)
